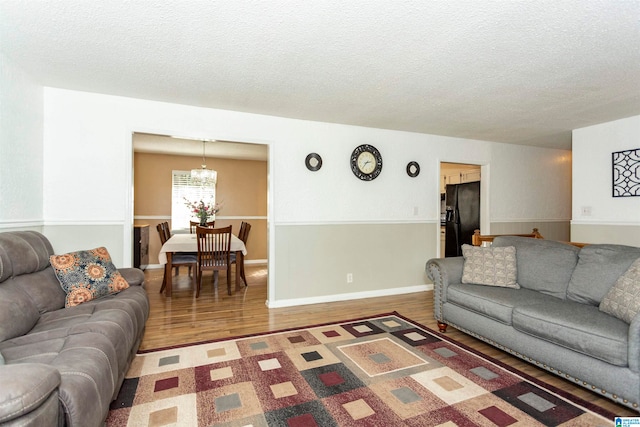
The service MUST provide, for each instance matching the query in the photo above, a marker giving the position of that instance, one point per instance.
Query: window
(183, 188)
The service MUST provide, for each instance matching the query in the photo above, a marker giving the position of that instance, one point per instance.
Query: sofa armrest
(25, 387)
(133, 276)
(443, 272)
(634, 344)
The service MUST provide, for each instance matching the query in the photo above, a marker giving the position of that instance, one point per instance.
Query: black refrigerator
(462, 204)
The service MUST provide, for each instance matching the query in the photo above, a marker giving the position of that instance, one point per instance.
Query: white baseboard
(348, 296)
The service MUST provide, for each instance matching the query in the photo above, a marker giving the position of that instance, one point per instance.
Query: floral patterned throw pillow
(87, 275)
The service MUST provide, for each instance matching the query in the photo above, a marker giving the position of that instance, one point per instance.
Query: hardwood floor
(183, 319)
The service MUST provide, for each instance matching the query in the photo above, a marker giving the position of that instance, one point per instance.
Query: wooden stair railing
(477, 239)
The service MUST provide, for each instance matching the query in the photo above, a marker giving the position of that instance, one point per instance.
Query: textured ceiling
(522, 72)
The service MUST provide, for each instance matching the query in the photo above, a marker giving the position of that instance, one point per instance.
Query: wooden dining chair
(194, 224)
(214, 248)
(243, 235)
(177, 259)
(161, 232)
(165, 234)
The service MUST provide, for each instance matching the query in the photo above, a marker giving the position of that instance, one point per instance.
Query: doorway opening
(241, 187)
(459, 206)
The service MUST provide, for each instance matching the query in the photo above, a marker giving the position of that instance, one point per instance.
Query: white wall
(87, 175)
(598, 217)
(530, 183)
(21, 122)
(531, 188)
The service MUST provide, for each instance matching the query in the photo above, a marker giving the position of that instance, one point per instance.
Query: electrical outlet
(349, 277)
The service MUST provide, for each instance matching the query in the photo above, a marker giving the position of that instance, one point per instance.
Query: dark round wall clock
(413, 169)
(366, 162)
(313, 161)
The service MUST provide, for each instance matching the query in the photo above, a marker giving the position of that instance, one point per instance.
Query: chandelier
(203, 176)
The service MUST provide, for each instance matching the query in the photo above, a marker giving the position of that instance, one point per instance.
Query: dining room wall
(241, 189)
(327, 219)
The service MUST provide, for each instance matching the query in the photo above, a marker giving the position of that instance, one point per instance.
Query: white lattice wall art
(626, 173)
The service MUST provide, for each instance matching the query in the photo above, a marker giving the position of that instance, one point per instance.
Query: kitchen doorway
(460, 185)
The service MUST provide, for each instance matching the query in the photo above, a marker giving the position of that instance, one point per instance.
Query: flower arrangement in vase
(202, 210)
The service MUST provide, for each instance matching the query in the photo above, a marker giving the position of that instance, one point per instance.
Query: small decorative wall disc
(413, 169)
(313, 161)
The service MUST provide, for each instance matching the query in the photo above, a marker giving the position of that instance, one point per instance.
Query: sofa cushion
(579, 327)
(23, 252)
(18, 313)
(25, 386)
(88, 367)
(43, 288)
(598, 268)
(120, 318)
(490, 266)
(623, 299)
(87, 275)
(494, 302)
(543, 265)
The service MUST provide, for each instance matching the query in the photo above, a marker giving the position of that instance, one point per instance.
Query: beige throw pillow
(490, 266)
(623, 299)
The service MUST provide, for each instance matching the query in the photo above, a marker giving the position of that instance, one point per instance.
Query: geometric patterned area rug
(380, 371)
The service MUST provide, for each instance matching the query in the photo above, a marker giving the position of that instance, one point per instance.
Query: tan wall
(383, 258)
(620, 234)
(551, 230)
(241, 187)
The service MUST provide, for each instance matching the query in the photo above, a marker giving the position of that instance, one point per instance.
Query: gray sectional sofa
(61, 366)
(554, 316)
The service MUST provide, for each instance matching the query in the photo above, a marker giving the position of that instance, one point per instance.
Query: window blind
(183, 188)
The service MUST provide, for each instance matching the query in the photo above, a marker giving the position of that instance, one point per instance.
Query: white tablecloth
(189, 243)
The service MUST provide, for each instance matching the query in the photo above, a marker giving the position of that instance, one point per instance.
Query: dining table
(189, 243)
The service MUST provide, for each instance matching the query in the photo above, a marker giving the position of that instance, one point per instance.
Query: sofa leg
(442, 327)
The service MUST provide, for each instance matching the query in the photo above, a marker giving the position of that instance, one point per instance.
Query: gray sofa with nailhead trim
(61, 366)
(553, 320)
